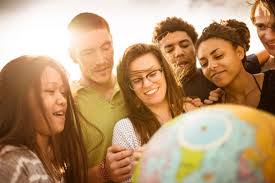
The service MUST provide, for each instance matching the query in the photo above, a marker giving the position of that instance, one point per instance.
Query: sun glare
(38, 38)
(43, 29)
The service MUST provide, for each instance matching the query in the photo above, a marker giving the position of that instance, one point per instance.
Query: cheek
(206, 72)
(109, 54)
(168, 56)
(139, 93)
(261, 34)
(191, 52)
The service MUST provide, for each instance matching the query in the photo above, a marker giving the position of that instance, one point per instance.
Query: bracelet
(103, 172)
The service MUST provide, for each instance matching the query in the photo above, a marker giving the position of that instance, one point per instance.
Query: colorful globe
(217, 144)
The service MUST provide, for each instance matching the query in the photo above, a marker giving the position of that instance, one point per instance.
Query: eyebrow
(132, 73)
(211, 53)
(181, 41)
(106, 43)
(86, 50)
(55, 84)
(93, 49)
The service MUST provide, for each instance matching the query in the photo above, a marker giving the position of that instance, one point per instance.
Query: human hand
(137, 154)
(214, 96)
(118, 163)
(191, 104)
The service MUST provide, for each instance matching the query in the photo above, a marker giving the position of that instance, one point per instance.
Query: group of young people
(95, 129)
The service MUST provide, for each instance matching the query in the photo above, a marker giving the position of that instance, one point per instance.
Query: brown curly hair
(241, 28)
(225, 32)
(172, 24)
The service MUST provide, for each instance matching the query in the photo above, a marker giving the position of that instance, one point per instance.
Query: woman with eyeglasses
(151, 92)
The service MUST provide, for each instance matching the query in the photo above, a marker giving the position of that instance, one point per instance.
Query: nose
(178, 51)
(212, 65)
(99, 58)
(146, 82)
(61, 99)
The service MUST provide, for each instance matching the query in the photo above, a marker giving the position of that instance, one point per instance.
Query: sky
(40, 26)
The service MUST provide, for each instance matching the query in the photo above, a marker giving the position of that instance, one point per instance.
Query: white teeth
(58, 113)
(151, 91)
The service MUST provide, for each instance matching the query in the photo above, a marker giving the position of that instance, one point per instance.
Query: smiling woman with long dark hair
(40, 136)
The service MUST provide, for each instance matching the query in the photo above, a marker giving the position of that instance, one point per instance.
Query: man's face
(93, 51)
(178, 49)
(265, 24)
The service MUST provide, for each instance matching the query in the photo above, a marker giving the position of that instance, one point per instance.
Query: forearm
(94, 174)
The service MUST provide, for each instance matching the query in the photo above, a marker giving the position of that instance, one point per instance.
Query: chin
(58, 130)
(220, 84)
(271, 52)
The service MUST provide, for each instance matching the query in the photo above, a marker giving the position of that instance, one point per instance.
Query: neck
(98, 86)
(162, 111)
(106, 89)
(43, 143)
(240, 88)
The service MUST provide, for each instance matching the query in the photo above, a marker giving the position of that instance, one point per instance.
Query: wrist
(103, 171)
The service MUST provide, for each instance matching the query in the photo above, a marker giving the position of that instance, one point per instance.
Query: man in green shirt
(98, 97)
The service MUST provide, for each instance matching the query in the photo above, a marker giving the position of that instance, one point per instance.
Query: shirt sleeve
(124, 134)
(252, 64)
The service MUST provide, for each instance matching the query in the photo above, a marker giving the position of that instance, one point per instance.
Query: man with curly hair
(176, 39)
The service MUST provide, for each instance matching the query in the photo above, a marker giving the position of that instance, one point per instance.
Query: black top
(267, 101)
(198, 86)
(252, 64)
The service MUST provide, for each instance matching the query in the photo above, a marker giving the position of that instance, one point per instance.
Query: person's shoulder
(21, 164)
(270, 73)
(75, 87)
(15, 154)
(125, 122)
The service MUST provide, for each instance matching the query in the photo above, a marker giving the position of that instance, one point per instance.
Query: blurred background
(40, 26)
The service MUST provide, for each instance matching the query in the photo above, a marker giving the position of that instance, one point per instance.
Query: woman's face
(147, 80)
(53, 93)
(220, 61)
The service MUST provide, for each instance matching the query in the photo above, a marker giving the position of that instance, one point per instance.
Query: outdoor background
(40, 26)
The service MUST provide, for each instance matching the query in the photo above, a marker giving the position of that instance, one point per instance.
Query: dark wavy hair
(142, 118)
(233, 34)
(17, 78)
(241, 28)
(172, 24)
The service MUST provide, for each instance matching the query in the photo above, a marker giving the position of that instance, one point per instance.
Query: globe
(218, 144)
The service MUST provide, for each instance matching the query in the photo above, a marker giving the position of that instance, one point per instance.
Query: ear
(73, 55)
(240, 52)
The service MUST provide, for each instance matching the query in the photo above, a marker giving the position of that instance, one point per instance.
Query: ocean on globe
(217, 144)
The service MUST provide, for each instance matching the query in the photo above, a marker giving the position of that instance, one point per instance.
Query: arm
(262, 56)
(117, 166)
(125, 135)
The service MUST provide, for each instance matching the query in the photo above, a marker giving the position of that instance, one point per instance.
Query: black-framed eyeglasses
(152, 76)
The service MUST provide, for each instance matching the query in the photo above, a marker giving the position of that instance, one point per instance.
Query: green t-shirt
(101, 114)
